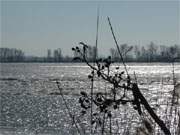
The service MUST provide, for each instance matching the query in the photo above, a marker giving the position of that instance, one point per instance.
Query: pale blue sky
(35, 26)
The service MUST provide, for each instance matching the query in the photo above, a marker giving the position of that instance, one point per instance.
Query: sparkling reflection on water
(27, 108)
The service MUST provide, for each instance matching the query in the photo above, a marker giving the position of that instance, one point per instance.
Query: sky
(35, 26)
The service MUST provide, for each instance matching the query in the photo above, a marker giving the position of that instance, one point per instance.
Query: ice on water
(27, 108)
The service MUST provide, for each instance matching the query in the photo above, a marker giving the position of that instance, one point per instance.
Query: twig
(150, 111)
(135, 77)
(110, 125)
(92, 80)
(122, 59)
(174, 83)
(136, 89)
(97, 32)
(142, 99)
(67, 107)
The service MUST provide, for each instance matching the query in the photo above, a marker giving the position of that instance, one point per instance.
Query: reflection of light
(67, 66)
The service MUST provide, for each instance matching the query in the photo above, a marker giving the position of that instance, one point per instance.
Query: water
(27, 108)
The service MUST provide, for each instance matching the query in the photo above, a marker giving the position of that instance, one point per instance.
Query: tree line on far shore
(149, 53)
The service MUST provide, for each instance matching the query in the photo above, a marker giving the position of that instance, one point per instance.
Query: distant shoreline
(91, 62)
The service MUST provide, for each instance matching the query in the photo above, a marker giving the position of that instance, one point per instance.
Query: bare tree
(114, 54)
(137, 52)
(49, 55)
(152, 51)
(11, 55)
(91, 52)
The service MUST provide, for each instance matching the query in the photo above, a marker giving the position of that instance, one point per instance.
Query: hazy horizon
(35, 27)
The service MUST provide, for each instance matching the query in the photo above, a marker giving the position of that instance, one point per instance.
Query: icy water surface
(27, 108)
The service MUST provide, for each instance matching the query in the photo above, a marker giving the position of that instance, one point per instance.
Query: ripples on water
(27, 108)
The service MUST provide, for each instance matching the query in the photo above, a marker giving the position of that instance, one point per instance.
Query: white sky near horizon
(35, 26)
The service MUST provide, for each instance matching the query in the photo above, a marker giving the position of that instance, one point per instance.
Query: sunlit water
(27, 108)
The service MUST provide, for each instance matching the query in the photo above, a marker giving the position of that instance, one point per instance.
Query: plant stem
(110, 126)
(120, 54)
(150, 111)
(68, 109)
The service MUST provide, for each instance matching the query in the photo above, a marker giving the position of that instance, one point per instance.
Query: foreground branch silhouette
(138, 94)
(102, 101)
(118, 83)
